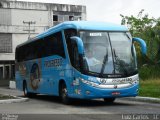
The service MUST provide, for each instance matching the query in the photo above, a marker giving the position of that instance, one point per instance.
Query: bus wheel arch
(25, 90)
(63, 92)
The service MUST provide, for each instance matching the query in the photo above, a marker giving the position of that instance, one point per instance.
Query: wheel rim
(64, 92)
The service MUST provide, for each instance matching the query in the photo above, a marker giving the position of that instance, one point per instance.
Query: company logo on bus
(103, 81)
(115, 86)
(117, 81)
(123, 80)
(54, 63)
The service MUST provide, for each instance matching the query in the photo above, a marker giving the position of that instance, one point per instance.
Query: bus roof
(80, 25)
(85, 25)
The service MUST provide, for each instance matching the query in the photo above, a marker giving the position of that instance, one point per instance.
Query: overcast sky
(110, 10)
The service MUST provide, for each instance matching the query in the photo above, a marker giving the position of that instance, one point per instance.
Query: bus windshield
(109, 53)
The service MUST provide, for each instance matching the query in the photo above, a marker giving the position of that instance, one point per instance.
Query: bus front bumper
(90, 92)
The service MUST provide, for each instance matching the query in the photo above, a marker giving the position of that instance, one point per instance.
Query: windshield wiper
(104, 64)
(119, 62)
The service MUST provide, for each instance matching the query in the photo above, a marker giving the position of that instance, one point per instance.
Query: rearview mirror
(142, 44)
(82, 59)
(79, 44)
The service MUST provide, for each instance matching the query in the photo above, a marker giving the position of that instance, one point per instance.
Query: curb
(143, 99)
(16, 100)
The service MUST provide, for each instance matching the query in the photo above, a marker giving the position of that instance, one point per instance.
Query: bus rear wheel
(63, 94)
(109, 100)
(25, 91)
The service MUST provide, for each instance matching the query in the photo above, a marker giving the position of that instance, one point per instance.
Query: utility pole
(29, 28)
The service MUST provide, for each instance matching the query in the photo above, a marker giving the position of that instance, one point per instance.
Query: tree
(148, 29)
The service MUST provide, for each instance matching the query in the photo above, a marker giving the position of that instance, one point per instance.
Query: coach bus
(79, 59)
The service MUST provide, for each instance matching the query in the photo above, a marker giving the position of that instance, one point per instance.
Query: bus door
(75, 63)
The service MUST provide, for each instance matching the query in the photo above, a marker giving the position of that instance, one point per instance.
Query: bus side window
(60, 45)
(54, 45)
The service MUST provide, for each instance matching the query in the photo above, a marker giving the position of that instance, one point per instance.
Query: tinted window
(50, 45)
(72, 47)
(54, 45)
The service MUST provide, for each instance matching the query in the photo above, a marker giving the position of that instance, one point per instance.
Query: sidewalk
(143, 99)
(12, 92)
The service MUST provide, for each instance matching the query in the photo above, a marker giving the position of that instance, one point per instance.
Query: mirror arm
(79, 43)
(142, 44)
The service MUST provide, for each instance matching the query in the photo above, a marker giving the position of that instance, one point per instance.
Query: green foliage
(138, 24)
(3, 97)
(149, 72)
(148, 29)
(150, 88)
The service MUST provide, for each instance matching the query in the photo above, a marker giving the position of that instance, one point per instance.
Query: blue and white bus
(79, 59)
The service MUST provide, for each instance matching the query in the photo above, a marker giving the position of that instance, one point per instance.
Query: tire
(109, 100)
(26, 93)
(63, 94)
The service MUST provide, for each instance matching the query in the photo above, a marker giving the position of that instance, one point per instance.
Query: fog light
(88, 92)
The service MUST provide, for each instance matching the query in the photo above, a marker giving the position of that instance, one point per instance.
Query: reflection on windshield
(120, 65)
(97, 46)
(104, 59)
(124, 60)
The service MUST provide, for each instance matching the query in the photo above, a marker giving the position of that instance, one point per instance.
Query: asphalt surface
(43, 107)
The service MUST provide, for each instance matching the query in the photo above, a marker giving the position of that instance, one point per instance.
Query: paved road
(43, 107)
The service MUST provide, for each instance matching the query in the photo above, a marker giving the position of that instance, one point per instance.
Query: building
(20, 20)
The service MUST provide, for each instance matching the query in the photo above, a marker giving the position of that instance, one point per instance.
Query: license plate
(115, 93)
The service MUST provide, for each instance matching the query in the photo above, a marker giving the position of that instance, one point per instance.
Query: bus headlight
(89, 82)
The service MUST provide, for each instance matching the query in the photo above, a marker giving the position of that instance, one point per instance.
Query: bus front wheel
(109, 100)
(63, 94)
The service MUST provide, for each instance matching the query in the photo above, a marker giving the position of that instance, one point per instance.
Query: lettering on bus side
(123, 80)
(54, 63)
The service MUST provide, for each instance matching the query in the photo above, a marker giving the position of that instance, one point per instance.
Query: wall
(12, 15)
(5, 43)
(5, 16)
(20, 15)
(18, 39)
